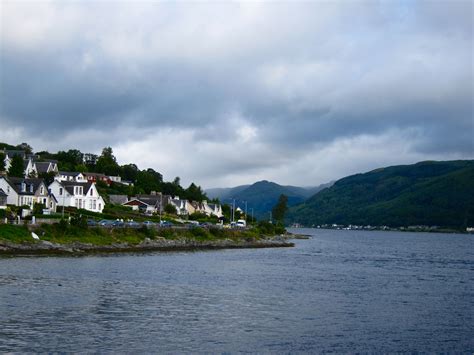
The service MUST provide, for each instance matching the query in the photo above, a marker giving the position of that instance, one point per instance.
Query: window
(94, 205)
(42, 190)
(60, 191)
(92, 192)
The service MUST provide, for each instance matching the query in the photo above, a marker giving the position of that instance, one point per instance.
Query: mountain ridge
(437, 193)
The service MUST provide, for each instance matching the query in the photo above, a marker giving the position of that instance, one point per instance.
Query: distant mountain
(428, 193)
(262, 196)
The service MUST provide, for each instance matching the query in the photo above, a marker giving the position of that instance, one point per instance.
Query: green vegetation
(278, 212)
(428, 193)
(16, 167)
(78, 232)
(15, 234)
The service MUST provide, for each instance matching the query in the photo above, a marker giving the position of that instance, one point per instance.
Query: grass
(64, 233)
(15, 234)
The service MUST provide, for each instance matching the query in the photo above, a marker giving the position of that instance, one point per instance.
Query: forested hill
(263, 195)
(427, 193)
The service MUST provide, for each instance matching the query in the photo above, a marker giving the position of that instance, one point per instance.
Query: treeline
(144, 181)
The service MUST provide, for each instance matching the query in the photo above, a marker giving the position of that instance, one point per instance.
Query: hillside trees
(16, 167)
(107, 163)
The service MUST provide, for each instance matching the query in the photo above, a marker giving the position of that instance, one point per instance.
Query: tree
(47, 177)
(107, 164)
(26, 147)
(194, 193)
(170, 209)
(16, 167)
(280, 208)
(129, 172)
(2, 162)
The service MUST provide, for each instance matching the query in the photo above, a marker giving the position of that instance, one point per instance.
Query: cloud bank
(229, 93)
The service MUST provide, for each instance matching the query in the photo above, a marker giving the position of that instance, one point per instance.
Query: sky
(229, 93)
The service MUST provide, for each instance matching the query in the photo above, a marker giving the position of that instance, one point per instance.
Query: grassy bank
(65, 233)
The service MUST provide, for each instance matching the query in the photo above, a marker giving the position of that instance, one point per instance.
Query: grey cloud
(303, 75)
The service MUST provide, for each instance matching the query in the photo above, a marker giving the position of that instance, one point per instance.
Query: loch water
(341, 291)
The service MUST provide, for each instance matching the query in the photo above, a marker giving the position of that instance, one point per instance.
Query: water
(342, 291)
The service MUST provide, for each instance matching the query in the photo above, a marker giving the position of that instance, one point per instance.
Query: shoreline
(160, 244)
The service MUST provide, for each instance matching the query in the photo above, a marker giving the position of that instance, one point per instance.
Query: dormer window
(23, 187)
(78, 190)
(31, 188)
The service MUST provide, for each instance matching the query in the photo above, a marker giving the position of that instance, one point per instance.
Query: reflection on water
(340, 291)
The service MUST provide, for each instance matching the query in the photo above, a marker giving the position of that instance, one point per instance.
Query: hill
(262, 196)
(427, 193)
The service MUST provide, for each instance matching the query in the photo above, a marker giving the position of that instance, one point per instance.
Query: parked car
(118, 223)
(92, 222)
(132, 224)
(105, 223)
(166, 224)
(149, 224)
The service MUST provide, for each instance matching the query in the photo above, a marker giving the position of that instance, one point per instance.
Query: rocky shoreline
(159, 244)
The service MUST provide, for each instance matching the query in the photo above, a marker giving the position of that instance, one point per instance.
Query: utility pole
(233, 210)
(245, 212)
(161, 204)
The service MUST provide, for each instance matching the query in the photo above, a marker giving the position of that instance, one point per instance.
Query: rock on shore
(158, 244)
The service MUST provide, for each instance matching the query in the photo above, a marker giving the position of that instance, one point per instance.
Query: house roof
(97, 175)
(42, 167)
(118, 199)
(137, 202)
(15, 183)
(2, 193)
(12, 153)
(69, 186)
(68, 173)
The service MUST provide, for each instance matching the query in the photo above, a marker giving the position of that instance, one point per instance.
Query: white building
(77, 194)
(23, 191)
(70, 176)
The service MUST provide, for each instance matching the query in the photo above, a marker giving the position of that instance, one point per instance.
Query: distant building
(70, 176)
(89, 158)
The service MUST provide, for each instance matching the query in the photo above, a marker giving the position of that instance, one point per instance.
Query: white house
(77, 194)
(29, 168)
(25, 191)
(9, 154)
(70, 176)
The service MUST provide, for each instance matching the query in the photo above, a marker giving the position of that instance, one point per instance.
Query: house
(212, 209)
(70, 176)
(3, 199)
(9, 154)
(95, 177)
(182, 206)
(118, 199)
(27, 191)
(46, 167)
(148, 204)
(215, 209)
(89, 158)
(77, 194)
(116, 179)
(29, 168)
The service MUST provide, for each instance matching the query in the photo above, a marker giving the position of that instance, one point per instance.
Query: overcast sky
(225, 93)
